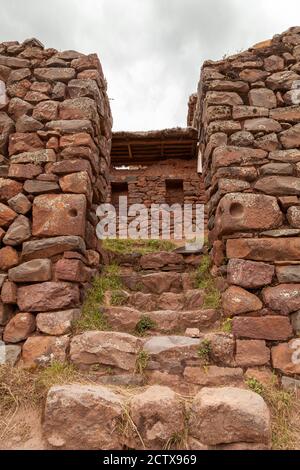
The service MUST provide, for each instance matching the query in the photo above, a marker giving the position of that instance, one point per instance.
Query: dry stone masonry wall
(248, 115)
(55, 141)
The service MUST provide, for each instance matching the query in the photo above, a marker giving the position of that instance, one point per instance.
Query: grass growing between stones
(205, 282)
(141, 362)
(91, 317)
(137, 246)
(144, 324)
(285, 412)
(204, 351)
(226, 326)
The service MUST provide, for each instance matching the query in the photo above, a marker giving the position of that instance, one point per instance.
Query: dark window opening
(174, 192)
(117, 190)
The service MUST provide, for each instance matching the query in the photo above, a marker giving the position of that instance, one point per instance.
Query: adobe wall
(55, 141)
(249, 118)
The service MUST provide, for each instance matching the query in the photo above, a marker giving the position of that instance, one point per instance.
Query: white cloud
(151, 50)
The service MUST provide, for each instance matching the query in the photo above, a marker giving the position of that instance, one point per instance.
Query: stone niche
(55, 143)
(248, 116)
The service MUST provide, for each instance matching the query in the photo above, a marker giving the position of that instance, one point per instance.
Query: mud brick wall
(248, 114)
(147, 184)
(55, 141)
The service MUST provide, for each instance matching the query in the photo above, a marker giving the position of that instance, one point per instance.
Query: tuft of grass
(204, 351)
(144, 324)
(226, 325)
(205, 281)
(141, 362)
(118, 298)
(284, 406)
(127, 246)
(91, 317)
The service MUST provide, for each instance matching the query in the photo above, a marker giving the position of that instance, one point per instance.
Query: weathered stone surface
(170, 301)
(159, 260)
(245, 112)
(24, 171)
(71, 419)
(9, 354)
(193, 299)
(277, 169)
(214, 376)
(47, 296)
(268, 142)
(282, 80)
(160, 282)
(238, 212)
(77, 183)
(262, 125)
(73, 270)
(18, 232)
(278, 185)
(71, 166)
(78, 108)
(226, 85)
(6, 312)
(287, 114)
(51, 246)
(70, 127)
(262, 97)
(286, 357)
(227, 415)
(289, 384)
(156, 413)
(28, 124)
(264, 249)
(284, 298)
(222, 347)
(19, 328)
(49, 210)
(227, 155)
(57, 323)
(9, 188)
(287, 274)
(38, 187)
(42, 350)
(55, 74)
(9, 292)
(253, 75)
(273, 328)
(290, 156)
(252, 353)
(291, 137)
(7, 215)
(249, 274)
(8, 258)
(6, 128)
(273, 63)
(241, 139)
(107, 348)
(46, 111)
(122, 318)
(293, 216)
(37, 270)
(236, 301)
(21, 142)
(40, 156)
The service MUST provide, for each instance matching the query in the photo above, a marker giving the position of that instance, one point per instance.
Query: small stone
(40, 156)
(272, 328)
(18, 232)
(9, 293)
(252, 353)
(55, 74)
(214, 376)
(262, 125)
(72, 270)
(192, 332)
(262, 97)
(23, 172)
(47, 296)
(249, 274)
(284, 298)
(19, 328)
(285, 357)
(8, 258)
(6, 312)
(273, 63)
(51, 246)
(37, 270)
(9, 189)
(287, 274)
(38, 187)
(277, 169)
(28, 124)
(290, 138)
(43, 350)
(236, 301)
(264, 249)
(24, 142)
(57, 323)
(293, 216)
(7, 215)
(20, 204)
(46, 111)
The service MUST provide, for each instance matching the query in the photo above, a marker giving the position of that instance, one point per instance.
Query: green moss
(91, 317)
(227, 325)
(144, 324)
(137, 246)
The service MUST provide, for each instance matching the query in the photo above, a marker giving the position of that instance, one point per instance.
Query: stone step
(154, 417)
(157, 283)
(130, 320)
(192, 299)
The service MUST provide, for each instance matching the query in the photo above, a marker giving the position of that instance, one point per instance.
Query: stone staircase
(162, 351)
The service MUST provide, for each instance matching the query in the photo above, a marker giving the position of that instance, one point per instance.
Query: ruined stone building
(240, 155)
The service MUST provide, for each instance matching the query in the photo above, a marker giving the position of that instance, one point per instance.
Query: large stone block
(287, 274)
(47, 296)
(19, 328)
(284, 298)
(279, 185)
(291, 137)
(57, 323)
(264, 249)
(49, 211)
(226, 155)
(42, 350)
(71, 419)
(228, 415)
(51, 246)
(249, 274)
(252, 353)
(272, 328)
(242, 211)
(106, 348)
(237, 301)
(37, 270)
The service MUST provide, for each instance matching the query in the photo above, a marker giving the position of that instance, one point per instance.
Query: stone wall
(248, 114)
(55, 140)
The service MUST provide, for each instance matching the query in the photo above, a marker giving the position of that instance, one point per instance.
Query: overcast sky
(151, 50)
